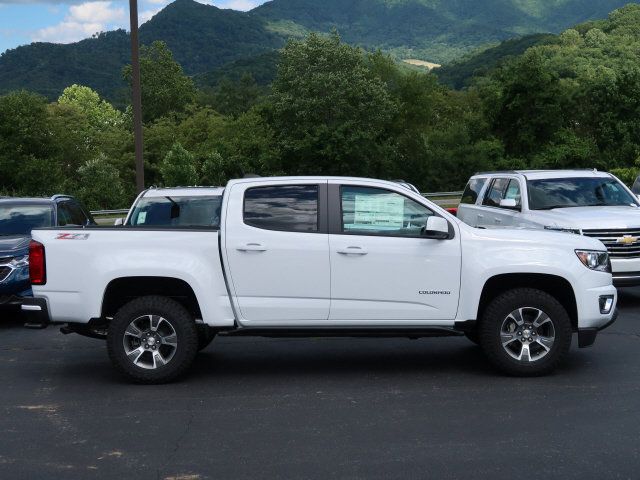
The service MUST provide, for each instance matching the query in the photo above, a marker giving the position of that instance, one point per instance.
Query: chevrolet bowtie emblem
(627, 240)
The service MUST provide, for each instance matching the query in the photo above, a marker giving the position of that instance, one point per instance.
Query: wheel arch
(122, 290)
(558, 287)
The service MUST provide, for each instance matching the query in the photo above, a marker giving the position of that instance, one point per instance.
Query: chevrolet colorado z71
(330, 256)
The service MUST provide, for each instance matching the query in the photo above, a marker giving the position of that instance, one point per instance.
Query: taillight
(37, 265)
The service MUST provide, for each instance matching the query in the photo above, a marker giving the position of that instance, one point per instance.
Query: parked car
(179, 207)
(586, 202)
(18, 216)
(636, 187)
(322, 256)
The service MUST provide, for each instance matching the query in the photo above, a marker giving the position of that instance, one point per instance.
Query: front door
(277, 252)
(382, 269)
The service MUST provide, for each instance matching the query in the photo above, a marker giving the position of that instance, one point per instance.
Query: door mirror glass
(508, 203)
(119, 222)
(436, 228)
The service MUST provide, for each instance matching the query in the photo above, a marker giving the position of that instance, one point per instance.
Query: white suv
(585, 202)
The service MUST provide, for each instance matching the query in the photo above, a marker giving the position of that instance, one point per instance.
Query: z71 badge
(72, 236)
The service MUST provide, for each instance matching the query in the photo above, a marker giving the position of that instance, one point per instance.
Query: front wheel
(152, 340)
(525, 332)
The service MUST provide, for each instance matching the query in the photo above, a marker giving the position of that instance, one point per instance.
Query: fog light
(606, 304)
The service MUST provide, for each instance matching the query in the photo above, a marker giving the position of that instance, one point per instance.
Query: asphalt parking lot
(320, 408)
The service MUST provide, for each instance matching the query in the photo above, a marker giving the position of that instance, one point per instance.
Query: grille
(611, 238)
(4, 273)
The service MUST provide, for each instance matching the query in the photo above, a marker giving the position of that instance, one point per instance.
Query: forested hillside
(572, 101)
(204, 38)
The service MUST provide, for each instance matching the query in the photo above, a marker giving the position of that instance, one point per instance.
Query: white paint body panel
(287, 280)
(299, 281)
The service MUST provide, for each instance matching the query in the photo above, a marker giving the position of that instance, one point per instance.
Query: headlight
(562, 229)
(595, 260)
(18, 262)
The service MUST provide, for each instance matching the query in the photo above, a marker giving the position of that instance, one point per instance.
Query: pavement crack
(178, 443)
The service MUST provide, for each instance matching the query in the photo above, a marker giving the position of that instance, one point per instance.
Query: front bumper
(626, 279)
(36, 312)
(587, 336)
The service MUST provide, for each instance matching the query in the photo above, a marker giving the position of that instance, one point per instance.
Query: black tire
(176, 316)
(497, 312)
(206, 335)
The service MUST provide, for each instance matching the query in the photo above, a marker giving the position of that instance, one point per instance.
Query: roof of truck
(184, 192)
(541, 174)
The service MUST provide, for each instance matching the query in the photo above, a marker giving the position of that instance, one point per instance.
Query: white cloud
(243, 5)
(146, 15)
(82, 21)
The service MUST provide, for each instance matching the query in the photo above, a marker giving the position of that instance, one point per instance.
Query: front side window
(513, 193)
(473, 189)
(289, 208)
(21, 219)
(546, 194)
(375, 211)
(495, 192)
(177, 212)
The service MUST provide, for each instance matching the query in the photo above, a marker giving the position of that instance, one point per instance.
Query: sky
(65, 21)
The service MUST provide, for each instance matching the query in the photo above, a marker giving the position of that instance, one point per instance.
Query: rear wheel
(152, 340)
(525, 332)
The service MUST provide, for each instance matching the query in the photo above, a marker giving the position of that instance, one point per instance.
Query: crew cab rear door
(277, 251)
(382, 269)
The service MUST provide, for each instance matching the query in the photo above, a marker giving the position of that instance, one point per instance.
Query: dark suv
(18, 216)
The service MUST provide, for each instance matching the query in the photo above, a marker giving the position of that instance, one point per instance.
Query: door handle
(352, 251)
(497, 220)
(252, 247)
(480, 216)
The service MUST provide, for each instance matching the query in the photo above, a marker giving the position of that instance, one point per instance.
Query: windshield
(201, 211)
(577, 192)
(21, 219)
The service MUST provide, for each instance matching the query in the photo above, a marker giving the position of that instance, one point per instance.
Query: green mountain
(458, 74)
(207, 40)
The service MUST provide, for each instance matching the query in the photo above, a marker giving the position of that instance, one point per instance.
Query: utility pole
(136, 101)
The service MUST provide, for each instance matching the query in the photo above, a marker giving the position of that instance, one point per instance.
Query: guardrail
(440, 198)
(102, 213)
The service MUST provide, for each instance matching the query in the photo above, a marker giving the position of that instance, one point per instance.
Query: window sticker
(142, 217)
(378, 212)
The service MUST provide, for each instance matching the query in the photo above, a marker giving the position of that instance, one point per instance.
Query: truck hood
(535, 238)
(589, 217)
(14, 245)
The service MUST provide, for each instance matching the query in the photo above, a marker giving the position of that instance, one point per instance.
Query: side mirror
(437, 228)
(119, 222)
(508, 203)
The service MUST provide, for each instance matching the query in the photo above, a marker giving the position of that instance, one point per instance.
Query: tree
(100, 185)
(100, 114)
(329, 113)
(165, 87)
(178, 167)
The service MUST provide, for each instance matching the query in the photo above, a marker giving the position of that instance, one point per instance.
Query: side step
(305, 332)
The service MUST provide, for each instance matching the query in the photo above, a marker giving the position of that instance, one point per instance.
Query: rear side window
(471, 193)
(495, 192)
(289, 208)
(70, 213)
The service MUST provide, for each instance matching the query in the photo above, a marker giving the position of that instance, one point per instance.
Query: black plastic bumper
(35, 312)
(626, 279)
(587, 336)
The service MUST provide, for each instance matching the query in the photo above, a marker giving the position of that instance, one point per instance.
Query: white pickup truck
(309, 256)
(585, 202)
